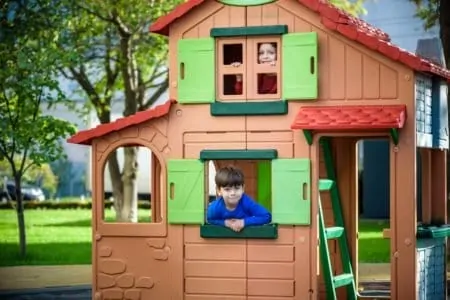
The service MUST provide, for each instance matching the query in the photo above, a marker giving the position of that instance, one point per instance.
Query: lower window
(280, 185)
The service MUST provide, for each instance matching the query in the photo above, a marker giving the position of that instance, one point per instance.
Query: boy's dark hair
(229, 176)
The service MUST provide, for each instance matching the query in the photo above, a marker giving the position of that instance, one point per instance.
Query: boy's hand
(229, 223)
(235, 224)
(235, 64)
(238, 225)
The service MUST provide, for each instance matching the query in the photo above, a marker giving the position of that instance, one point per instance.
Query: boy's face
(231, 194)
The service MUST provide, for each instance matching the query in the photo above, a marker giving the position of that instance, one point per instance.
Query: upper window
(247, 63)
(249, 68)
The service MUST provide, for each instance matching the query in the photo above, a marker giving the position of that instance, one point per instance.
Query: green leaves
(27, 84)
(428, 11)
(353, 7)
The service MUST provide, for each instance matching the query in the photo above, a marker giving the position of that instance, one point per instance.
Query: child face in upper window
(267, 53)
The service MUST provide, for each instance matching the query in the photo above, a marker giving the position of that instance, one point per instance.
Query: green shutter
(291, 191)
(299, 69)
(196, 74)
(186, 191)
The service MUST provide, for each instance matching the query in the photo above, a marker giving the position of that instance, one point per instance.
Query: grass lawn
(56, 237)
(373, 248)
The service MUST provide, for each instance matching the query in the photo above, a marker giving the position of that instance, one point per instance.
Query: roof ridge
(335, 19)
(84, 137)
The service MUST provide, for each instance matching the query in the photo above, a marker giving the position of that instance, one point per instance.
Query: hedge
(65, 205)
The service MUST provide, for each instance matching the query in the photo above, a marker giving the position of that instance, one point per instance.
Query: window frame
(158, 226)
(249, 68)
(256, 68)
(223, 69)
(266, 231)
(207, 230)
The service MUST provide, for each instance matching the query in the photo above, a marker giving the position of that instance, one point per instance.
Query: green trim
(239, 154)
(248, 30)
(250, 108)
(264, 186)
(245, 2)
(433, 232)
(308, 136)
(346, 278)
(269, 231)
(394, 135)
(325, 184)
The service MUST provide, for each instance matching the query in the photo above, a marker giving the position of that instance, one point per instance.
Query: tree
(117, 58)
(437, 12)
(27, 59)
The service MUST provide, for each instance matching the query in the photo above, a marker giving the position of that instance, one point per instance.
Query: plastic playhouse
(336, 80)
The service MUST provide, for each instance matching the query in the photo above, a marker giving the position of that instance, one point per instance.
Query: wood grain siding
(214, 268)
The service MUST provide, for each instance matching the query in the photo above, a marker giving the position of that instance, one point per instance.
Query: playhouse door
(131, 259)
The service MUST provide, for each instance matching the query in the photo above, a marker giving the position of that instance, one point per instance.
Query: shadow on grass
(373, 250)
(78, 223)
(88, 223)
(46, 254)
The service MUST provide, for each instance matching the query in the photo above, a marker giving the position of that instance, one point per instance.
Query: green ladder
(336, 232)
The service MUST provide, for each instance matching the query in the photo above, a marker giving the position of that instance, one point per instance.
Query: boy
(233, 208)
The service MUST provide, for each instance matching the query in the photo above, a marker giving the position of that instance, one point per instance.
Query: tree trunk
(444, 25)
(20, 217)
(124, 185)
(117, 184)
(129, 210)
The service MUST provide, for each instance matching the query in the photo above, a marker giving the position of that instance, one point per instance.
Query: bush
(65, 205)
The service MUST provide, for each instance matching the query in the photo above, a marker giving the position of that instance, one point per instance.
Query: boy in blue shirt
(233, 208)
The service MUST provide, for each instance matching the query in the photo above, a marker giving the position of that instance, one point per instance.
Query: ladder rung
(334, 232)
(325, 184)
(342, 280)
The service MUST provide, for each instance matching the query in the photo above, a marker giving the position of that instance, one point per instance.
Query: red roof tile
(336, 20)
(162, 24)
(85, 137)
(350, 117)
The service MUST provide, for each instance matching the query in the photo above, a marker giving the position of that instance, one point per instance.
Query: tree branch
(94, 13)
(33, 119)
(154, 76)
(83, 81)
(123, 29)
(27, 167)
(155, 96)
(128, 68)
(65, 74)
(3, 151)
(111, 72)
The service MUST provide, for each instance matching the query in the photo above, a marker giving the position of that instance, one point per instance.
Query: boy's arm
(259, 215)
(213, 215)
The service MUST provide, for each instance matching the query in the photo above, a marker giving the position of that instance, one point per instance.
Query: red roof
(350, 117)
(85, 137)
(336, 20)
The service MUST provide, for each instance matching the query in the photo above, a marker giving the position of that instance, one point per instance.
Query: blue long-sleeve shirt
(247, 209)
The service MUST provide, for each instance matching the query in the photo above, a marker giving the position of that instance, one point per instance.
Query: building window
(249, 68)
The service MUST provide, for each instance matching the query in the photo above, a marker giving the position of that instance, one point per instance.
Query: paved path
(26, 277)
(73, 282)
(79, 292)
